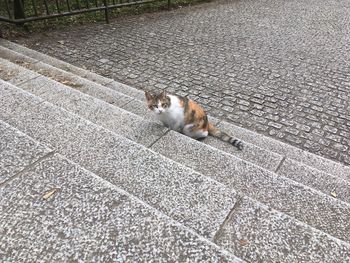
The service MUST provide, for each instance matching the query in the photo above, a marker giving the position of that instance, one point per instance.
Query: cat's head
(158, 103)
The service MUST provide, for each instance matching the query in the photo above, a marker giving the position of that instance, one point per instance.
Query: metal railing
(21, 11)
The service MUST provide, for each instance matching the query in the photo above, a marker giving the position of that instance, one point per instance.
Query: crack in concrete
(27, 168)
(228, 218)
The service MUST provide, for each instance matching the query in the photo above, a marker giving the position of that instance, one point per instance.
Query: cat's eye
(155, 106)
(164, 105)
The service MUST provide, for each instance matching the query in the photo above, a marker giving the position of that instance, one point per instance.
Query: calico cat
(185, 116)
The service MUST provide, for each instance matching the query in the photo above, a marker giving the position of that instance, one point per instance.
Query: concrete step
(190, 198)
(260, 145)
(91, 108)
(87, 218)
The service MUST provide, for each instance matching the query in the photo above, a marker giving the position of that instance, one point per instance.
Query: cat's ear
(148, 95)
(163, 94)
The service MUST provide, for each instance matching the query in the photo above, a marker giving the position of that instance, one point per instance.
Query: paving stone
(301, 202)
(17, 151)
(90, 220)
(188, 197)
(330, 129)
(259, 234)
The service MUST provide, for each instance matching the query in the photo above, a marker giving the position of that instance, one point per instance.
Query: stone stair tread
(250, 153)
(261, 145)
(304, 203)
(81, 84)
(125, 89)
(190, 198)
(11, 72)
(88, 212)
(106, 116)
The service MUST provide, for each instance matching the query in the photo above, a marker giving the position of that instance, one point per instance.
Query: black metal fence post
(106, 11)
(169, 4)
(18, 9)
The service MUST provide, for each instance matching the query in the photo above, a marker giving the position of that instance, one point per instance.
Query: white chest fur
(174, 116)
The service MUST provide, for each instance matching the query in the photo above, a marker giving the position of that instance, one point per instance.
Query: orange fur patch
(195, 114)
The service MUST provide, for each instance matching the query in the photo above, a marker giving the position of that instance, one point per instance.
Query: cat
(185, 116)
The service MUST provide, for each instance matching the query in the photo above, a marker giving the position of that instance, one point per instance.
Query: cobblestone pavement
(280, 67)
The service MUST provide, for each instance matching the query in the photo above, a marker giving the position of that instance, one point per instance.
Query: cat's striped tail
(213, 131)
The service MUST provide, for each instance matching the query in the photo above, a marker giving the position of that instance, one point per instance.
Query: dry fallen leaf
(243, 242)
(49, 193)
(334, 194)
(70, 83)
